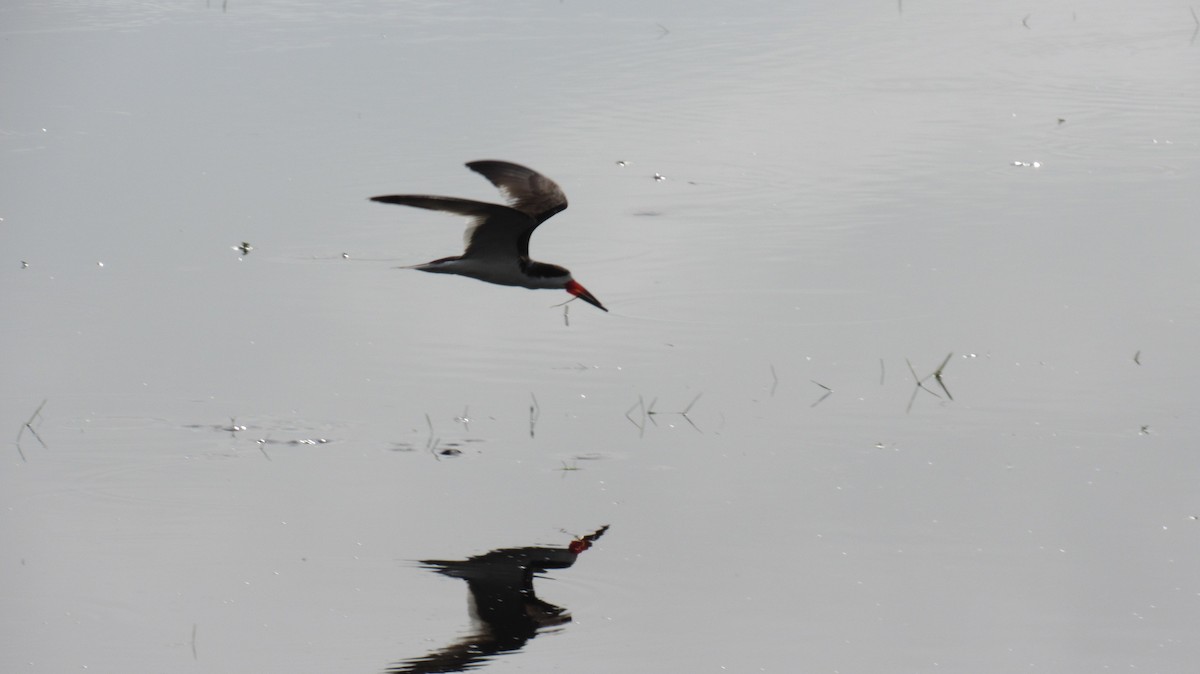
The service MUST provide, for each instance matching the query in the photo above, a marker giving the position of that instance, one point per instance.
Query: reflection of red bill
(584, 542)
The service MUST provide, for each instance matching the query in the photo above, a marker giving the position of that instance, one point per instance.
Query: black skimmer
(503, 604)
(497, 238)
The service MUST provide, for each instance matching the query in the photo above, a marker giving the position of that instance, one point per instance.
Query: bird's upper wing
(525, 189)
(493, 230)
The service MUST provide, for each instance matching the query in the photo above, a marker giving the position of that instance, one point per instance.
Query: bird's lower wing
(448, 204)
(494, 230)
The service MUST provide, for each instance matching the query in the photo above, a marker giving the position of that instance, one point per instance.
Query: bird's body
(515, 272)
(497, 238)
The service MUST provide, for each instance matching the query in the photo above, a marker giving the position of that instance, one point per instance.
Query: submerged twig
(919, 386)
(936, 375)
(432, 442)
(828, 392)
(234, 428)
(687, 409)
(28, 425)
(648, 413)
(534, 412)
(641, 426)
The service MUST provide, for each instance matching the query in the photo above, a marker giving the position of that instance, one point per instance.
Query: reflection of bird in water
(497, 238)
(506, 610)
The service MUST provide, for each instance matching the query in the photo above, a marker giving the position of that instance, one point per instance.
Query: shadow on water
(504, 607)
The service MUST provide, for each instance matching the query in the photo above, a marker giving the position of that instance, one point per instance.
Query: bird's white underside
(505, 272)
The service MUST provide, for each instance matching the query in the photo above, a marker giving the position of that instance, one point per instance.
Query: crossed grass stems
(645, 415)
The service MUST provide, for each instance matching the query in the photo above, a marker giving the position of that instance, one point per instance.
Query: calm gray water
(240, 457)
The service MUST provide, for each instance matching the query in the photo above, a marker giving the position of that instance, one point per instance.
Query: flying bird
(497, 236)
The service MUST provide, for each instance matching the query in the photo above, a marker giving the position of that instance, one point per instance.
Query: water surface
(244, 454)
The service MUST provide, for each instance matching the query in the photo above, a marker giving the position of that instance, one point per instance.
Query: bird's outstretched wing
(493, 231)
(525, 189)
